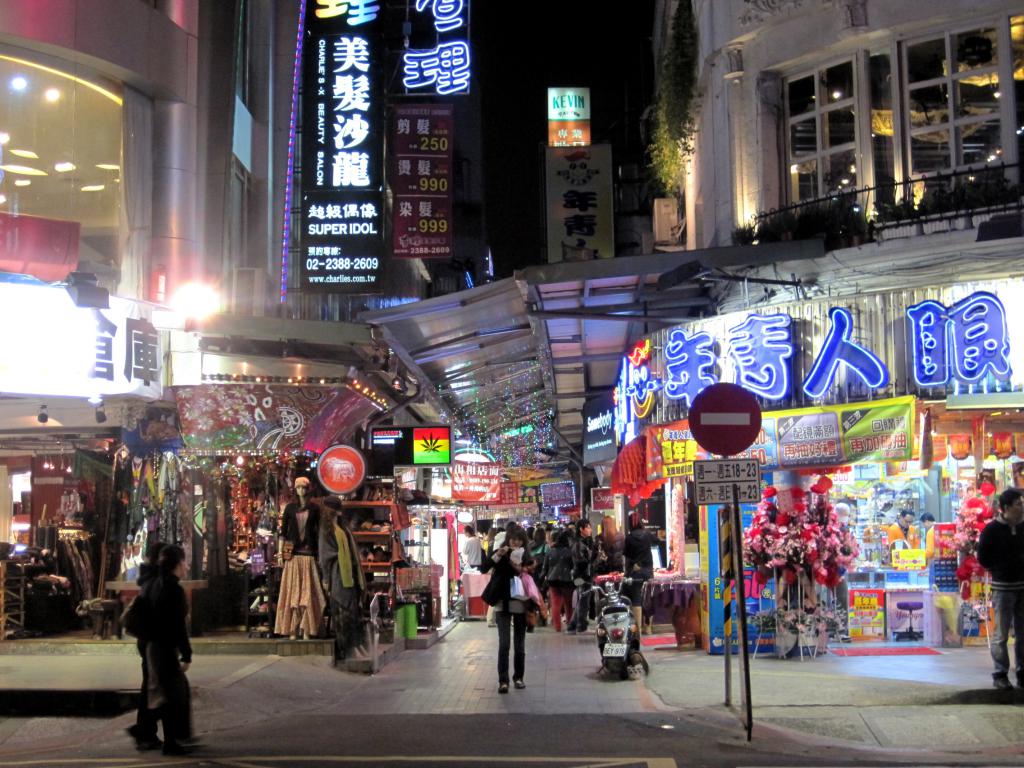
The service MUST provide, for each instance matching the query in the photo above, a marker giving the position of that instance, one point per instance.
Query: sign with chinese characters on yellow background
(909, 560)
(867, 614)
(671, 450)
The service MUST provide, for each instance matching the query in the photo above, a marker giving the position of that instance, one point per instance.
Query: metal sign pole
(726, 570)
(741, 613)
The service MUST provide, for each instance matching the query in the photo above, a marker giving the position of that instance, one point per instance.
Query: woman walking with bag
(505, 591)
(168, 651)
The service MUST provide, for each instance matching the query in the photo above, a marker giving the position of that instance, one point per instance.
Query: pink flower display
(793, 533)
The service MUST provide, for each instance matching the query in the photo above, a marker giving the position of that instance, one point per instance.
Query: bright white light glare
(52, 95)
(93, 187)
(108, 166)
(667, 727)
(64, 167)
(3, 199)
(196, 301)
(4, 137)
(25, 153)
(19, 83)
(21, 182)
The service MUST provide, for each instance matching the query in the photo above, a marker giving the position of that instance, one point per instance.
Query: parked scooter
(618, 636)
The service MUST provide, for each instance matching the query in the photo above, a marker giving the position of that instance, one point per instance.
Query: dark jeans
(506, 623)
(582, 611)
(1008, 607)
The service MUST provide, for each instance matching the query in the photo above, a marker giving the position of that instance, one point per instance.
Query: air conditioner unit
(249, 292)
(666, 220)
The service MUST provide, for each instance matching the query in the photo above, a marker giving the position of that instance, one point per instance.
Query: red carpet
(885, 651)
(655, 640)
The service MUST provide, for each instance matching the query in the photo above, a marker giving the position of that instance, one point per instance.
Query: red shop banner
(476, 482)
(420, 176)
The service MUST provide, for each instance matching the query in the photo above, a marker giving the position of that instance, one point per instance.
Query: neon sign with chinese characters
(342, 174)
(444, 69)
(961, 344)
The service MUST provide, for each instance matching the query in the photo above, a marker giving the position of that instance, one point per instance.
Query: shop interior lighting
(28, 153)
(108, 166)
(22, 182)
(6, 137)
(93, 187)
(60, 73)
(22, 170)
(42, 417)
(19, 83)
(64, 167)
(3, 199)
(52, 95)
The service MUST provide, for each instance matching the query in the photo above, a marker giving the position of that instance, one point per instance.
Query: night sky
(522, 49)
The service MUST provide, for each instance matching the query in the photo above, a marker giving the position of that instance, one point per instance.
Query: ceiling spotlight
(19, 83)
(64, 167)
(398, 384)
(4, 137)
(22, 182)
(52, 95)
(101, 414)
(42, 416)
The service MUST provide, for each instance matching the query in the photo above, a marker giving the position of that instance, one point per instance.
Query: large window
(60, 165)
(822, 135)
(952, 106)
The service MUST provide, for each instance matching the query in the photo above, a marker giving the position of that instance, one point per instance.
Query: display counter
(473, 585)
(675, 601)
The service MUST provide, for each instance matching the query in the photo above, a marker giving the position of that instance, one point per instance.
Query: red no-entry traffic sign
(725, 419)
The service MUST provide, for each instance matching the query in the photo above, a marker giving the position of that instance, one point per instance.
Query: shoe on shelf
(1002, 683)
(519, 684)
(503, 688)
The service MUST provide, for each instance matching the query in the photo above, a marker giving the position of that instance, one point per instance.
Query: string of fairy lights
(513, 422)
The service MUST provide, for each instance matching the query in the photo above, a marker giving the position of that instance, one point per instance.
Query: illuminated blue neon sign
(963, 343)
(446, 68)
(761, 346)
(839, 349)
(689, 364)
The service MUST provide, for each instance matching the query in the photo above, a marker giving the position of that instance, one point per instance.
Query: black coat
(1001, 551)
(306, 540)
(559, 567)
(498, 591)
(637, 552)
(168, 610)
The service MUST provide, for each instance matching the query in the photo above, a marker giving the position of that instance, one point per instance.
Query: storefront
(907, 402)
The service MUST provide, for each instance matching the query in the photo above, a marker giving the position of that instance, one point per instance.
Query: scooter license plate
(612, 650)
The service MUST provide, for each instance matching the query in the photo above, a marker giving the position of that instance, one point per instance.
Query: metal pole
(725, 566)
(741, 613)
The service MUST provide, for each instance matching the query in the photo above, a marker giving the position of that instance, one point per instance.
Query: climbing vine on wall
(676, 108)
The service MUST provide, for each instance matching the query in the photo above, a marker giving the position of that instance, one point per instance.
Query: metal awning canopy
(587, 313)
(474, 354)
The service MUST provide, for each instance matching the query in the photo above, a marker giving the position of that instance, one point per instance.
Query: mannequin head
(302, 488)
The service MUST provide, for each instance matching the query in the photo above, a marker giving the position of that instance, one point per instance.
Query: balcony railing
(919, 205)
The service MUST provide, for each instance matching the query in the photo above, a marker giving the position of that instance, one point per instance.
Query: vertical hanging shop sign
(421, 180)
(342, 177)
(580, 211)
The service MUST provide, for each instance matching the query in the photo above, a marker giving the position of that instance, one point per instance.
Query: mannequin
(343, 573)
(300, 605)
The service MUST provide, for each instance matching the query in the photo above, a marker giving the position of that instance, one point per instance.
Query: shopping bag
(518, 591)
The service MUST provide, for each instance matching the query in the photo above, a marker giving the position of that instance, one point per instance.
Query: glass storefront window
(927, 60)
(979, 143)
(60, 159)
(975, 49)
(800, 95)
(1017, 38)
(882, 147)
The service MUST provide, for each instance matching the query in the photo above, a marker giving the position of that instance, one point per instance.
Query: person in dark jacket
(1001, 551)
(509, 613)
(144, 730)
(639, 563)
(168, 651)
(558, 577)
(584, 553)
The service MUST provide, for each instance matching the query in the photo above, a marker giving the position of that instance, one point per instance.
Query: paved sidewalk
(940, 702)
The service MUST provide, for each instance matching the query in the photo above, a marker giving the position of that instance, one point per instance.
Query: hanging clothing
(346, 583)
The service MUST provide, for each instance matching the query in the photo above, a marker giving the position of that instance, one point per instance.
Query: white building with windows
(910, 113)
